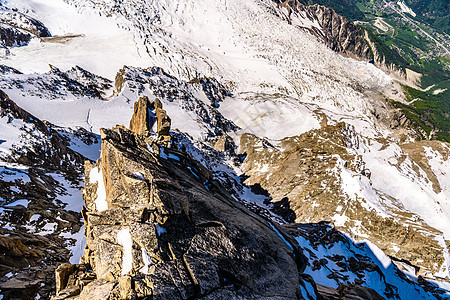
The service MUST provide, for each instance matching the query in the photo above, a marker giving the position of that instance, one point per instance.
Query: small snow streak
(124, 238)
(97, 177)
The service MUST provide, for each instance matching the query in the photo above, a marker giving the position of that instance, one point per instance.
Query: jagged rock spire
(163, 124)
(140, 122)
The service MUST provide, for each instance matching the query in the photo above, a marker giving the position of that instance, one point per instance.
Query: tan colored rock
(98, 289)
(125, 288)
(183, 242)
(224, 143)
(157, 103)
(139, 122)
(297, 176)
(163, 124)
(62, 275)
(68, 293)
(16, 248)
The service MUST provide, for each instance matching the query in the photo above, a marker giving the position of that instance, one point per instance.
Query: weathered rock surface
(10, 36)
(170, 232)
(163, 123)
(304, 171)
(56, 84)
(339, 34)
(17, 29)
(140, 121)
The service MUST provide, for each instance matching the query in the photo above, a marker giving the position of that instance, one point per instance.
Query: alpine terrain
(223, 149)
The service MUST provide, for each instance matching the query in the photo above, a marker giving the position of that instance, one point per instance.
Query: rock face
(163, 123)
(140, 120)
(340, 34)
(170, 232)
(337, 32)
(17, 29)
(10, 36)
(56, 83)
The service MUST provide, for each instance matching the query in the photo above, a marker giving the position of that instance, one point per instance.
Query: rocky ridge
(17, 29)
(55, 84)
(303, 176)
(158, 225)
(169, 231)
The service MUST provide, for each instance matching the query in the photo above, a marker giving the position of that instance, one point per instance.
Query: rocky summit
(159, 226)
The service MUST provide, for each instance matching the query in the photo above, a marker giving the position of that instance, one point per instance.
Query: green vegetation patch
(346, 8)
(429, 113)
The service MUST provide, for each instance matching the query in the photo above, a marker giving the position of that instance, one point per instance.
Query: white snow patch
(124, 238)
(383, 258)
(139, 176)
(340, 220)
(147, 261)
(48, 228)
(35, 217)
(77, 250)
(97, 177)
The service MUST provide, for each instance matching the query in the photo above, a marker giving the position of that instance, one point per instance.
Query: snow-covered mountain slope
(229, 70)
(40, 199)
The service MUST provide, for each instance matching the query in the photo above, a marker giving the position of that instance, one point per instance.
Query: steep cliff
(343, 36)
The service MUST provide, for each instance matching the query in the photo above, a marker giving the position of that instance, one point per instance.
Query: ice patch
(159, 229)
(21, 202)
